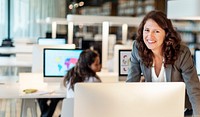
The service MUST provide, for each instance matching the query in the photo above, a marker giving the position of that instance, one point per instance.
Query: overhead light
(183, 9)
(81, 3)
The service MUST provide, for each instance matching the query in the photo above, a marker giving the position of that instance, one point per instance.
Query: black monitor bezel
(119, 52)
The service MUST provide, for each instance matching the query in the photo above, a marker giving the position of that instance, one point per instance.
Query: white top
(70, 92)
(161, 77)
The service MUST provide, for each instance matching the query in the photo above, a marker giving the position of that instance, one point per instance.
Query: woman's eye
(146, 30)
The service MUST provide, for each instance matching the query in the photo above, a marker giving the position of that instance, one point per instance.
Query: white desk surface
(23, 48)
(12, 61)
(12, 90)
(7, 50)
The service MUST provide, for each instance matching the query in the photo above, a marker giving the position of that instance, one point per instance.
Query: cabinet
(106, 9)
(189, 31)
(90, 10)
(109, 9)
(135, 7)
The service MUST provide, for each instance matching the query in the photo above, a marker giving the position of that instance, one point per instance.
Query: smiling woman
(153, 36)
(160, 55)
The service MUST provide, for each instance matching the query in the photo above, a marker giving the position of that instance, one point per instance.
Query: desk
(20, 48)
(12, 90)
(13, 61)
(10, 65)
(14, 57)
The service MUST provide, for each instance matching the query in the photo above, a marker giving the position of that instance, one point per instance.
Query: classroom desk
(19, 48)
(13, 91)
(15, 57)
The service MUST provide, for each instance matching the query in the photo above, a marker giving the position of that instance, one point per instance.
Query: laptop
(164, 99)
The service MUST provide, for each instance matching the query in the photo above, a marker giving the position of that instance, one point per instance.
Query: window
(4, 19)
(24, 15)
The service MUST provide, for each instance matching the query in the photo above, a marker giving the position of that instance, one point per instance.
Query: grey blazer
(183, 70)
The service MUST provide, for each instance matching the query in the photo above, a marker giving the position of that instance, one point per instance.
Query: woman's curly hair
(82, 70)
(171, 44)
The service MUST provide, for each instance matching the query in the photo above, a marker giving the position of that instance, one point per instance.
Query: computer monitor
(118, 47)
(57, 62)
(51, 41)
(124, 61)
(37, 55)
(196, 59)
(164, 99)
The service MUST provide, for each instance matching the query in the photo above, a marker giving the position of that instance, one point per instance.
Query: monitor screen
(129, 99)
(51, 41)
(124, 61)
(37, 55)
(197, 62)
(58, 61)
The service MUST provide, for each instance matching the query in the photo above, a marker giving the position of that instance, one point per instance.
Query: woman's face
(153, 35)
(95, 66)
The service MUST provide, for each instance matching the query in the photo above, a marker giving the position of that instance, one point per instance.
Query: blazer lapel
(168, 72)
(147, 74)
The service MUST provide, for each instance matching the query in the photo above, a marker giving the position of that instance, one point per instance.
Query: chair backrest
(67, 107)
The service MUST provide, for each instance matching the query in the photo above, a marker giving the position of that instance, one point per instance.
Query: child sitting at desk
(84, 71)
